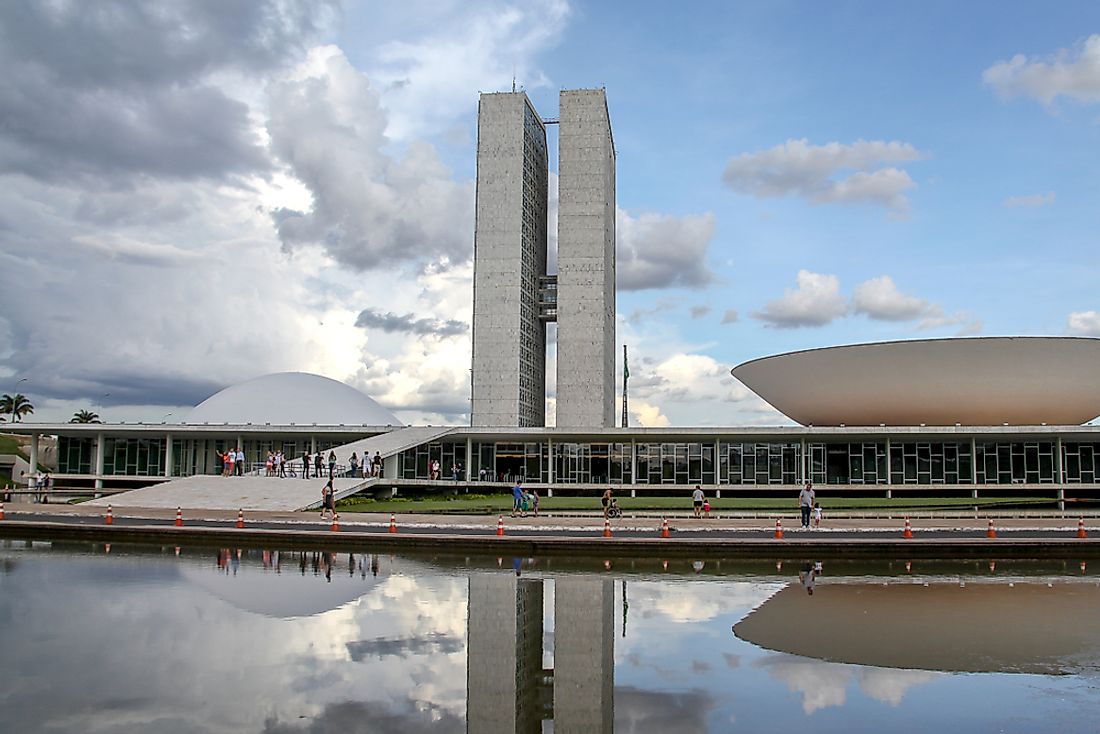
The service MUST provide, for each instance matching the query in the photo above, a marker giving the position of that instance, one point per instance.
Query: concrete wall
(586, 262)
(509, 342)
(584, 655)
(504, 654)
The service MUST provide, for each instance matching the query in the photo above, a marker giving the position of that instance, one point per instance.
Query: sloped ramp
(265, 494)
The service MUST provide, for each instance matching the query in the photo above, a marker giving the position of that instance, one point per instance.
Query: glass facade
(75, 455)
(760, 463)
(931, 463)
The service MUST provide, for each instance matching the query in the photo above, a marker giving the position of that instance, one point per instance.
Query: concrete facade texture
(509, 341)
(586, 262)
(584, 655)
(504, 658)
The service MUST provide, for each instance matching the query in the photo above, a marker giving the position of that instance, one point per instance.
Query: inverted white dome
(283, 398)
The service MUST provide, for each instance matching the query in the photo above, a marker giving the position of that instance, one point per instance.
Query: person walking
(353, 463)
(331, 464)
(328, 503)
(318, 464)
(605, 500)
(305, 464)
(806, 504)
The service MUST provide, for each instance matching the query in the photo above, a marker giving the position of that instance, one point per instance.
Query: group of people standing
(371, 466)
(232, 462)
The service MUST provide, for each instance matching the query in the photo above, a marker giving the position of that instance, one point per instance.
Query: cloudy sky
(196, 193)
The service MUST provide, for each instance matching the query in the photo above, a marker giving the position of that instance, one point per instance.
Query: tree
(14, 407)
(85, 416)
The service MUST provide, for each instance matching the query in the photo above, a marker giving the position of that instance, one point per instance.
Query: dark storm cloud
(408, 324)
(113, 88)
(369, 717)
(404, 647)
(108, 388)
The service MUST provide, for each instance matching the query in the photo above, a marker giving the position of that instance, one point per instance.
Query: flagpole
(626, 376)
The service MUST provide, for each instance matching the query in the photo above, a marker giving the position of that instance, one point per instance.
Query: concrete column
(100, 447)
(889, 491)
(471, 469)
(974, 466)
(34, 453)
(804, 465)
(168, 455)
(715, 464)
(1059, 474)
(313, 444)
(633, 461)
(550, 453)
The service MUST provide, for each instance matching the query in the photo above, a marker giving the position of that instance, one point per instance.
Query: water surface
(141, 639)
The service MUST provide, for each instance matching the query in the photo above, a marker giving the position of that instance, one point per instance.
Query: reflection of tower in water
(507, 689)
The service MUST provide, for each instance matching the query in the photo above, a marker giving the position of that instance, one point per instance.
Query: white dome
(291, 397)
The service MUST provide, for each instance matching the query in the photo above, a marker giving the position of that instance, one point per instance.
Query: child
(817, 515)
(706, 507)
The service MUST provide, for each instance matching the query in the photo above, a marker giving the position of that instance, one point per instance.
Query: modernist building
(514, 295)
(933, 415)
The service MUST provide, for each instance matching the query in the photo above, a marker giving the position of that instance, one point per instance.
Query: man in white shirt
(697, 500)
(806, 504)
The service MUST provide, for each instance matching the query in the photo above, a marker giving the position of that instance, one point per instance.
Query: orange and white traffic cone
(1, 510)
(606, 528)
(664, 528)
(179, 517)
(991, 532)
(110, 518)
(1080, 524)
(336, 522)
(240, 518)
(908, 533)
(778, 529)
(500, 526)
(393, 523)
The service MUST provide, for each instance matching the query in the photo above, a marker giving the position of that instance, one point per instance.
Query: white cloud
(369, 208)
(730, 316)
(816, 302)
(1084, 323)
(662, 251)
(880, 299)
(811, 171)
(1032, 200)
(1074, 73)
(469, 47)
(698, 312)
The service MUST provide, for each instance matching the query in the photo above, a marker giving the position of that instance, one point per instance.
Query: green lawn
(494, 504)
(8, 445)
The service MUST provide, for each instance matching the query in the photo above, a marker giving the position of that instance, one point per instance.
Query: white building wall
(586, 262)
(509, 342)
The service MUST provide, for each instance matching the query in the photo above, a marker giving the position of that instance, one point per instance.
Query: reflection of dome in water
(285, 595)
(292, 397)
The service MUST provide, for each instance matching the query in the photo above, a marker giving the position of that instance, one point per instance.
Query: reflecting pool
(151, 639)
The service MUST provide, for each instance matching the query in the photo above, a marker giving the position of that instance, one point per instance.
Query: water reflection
(508, 689)
(290, 642)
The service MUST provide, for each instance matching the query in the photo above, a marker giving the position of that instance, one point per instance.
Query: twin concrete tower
(514, 295)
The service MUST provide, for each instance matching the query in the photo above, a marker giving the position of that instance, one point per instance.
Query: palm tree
(16, 406)
(85, 416)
